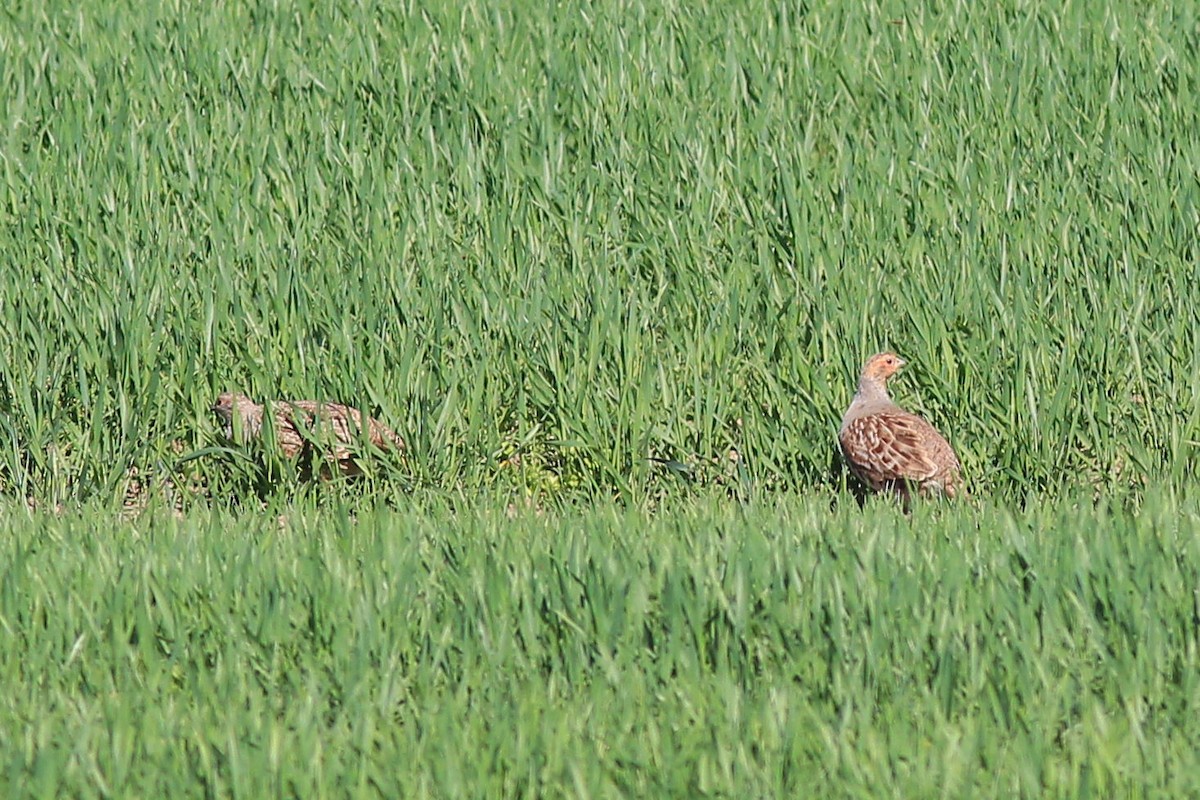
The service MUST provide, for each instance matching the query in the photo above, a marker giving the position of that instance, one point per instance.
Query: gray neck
(872, 390)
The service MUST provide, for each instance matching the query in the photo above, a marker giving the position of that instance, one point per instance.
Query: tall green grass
(546, 243)
(758, 650)
(583, 235)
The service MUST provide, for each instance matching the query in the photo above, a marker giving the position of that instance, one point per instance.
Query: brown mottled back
(301, 425)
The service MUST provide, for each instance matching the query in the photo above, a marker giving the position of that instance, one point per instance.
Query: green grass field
(709, 649)
(546, 243)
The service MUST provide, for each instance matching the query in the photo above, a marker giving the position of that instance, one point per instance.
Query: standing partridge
(889, 449)
(301, 424)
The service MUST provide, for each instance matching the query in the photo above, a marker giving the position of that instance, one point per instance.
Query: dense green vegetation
(591, 233)
(710, 650)
(546, 243)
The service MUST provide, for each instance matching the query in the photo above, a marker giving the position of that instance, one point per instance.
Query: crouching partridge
(890, 449)
(333, 428)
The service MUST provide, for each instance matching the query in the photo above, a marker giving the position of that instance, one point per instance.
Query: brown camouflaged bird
(301, 425)
(889, 449)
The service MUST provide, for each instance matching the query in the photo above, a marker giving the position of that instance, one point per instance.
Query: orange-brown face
(227, 402)
(882, 366)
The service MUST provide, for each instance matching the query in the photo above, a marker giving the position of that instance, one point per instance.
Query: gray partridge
(300, 424)
(890, 449)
